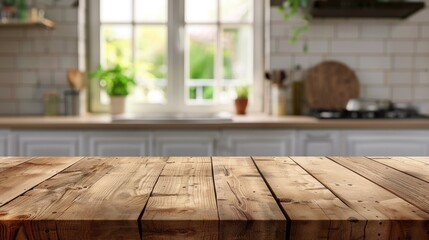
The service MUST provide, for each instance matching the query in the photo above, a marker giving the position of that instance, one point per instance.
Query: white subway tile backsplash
(281, 62)
(375, 63)
(24, 93)
(421, 16)
(405, 31)
(421, 62)
(7, 62)
(321, 31)
(400, 46)
(375, 92)
(350, 61)
(279, 30)
(402, 62)
(35, 60)
(424, 31)
(348, 31)
(30, 108)
(8, 78)
(370, 78)
(8, 108)
(423, 77)
(421, 92)
(357, 47)
(6, 93)
(370, 31)
(400, 77)
(423, 46)
(307, 61)
(402, 94)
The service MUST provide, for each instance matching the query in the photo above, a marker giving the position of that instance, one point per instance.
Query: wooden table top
(214, 198)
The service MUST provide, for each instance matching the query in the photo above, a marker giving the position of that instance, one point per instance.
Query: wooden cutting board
(330, 85)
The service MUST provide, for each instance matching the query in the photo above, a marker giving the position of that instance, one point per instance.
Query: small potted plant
(117, 82)
(242, 99)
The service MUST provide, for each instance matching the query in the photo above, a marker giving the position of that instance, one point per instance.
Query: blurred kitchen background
(390, 56)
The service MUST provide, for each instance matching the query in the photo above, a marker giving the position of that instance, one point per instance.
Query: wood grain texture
(389, 216)
(247, 209)
(330, 85)
(183, 202)
(98, 198)
(417, 167)
(8, 162)
(18, 179)
(314, 211)
(411, 189)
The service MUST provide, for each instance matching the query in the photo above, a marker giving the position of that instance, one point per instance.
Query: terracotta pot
(117, 105)
(241, 106)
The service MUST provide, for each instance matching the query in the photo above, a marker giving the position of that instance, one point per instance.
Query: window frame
(176, 59)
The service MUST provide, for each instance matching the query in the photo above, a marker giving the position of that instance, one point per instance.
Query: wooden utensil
(76, 79)
(330, 85)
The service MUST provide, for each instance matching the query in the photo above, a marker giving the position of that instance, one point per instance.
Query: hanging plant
(297, 8)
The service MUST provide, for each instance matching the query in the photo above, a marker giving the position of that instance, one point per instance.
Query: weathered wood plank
(247, 209)
(313, 210)
(98, 198)
(408, 165)
(389, 216)
(8, 162)
(18, 179)
(183, 202)
(411, 189)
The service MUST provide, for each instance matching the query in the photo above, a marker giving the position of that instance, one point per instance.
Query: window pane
(236, 10)
(151, 10)
(201, 11)
(151, 64)
(201, 53)
(115, 11)
(237, 60)
(116, 45)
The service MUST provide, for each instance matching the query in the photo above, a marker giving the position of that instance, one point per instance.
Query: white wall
(391, 57)
(33, 61)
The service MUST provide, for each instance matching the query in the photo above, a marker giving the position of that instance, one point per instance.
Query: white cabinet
(47, 143)
(318, 143)
(257, 143)
(387, 143)
(118, 143)
(4, 143)
(185, 143)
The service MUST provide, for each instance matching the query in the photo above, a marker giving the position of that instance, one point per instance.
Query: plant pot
(241, 106)
(117, 105)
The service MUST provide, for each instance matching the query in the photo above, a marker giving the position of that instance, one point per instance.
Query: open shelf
(44, 23)
(331, 9)
(375, 10)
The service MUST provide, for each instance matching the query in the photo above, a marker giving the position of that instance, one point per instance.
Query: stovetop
(385, 114)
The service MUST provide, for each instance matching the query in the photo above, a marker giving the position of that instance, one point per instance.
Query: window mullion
(176, 79)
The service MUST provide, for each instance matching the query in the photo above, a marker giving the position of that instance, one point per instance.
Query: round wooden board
(330, 85)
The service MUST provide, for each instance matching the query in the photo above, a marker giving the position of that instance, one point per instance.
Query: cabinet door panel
(185, 143)
(47, 143)
(257, 143)
(114, 144)
(4, 143)
(318, 143)
(387, 143)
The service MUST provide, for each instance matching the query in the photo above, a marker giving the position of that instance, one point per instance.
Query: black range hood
(361, 9)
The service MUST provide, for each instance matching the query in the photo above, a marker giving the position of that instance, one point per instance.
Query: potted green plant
(241, 101)
(117, 81)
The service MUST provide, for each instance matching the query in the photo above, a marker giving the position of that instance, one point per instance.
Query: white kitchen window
(189, 55)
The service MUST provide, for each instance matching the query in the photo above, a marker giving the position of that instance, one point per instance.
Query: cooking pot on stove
(368, 105)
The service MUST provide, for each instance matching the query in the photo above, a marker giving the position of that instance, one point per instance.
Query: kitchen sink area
(173, 118)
